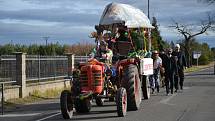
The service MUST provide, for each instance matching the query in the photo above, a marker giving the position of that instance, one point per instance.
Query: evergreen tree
(157, 42)
(7, 49)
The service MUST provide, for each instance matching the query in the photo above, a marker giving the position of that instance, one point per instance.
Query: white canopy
(123, 13)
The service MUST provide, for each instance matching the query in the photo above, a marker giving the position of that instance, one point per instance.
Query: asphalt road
(195, 103)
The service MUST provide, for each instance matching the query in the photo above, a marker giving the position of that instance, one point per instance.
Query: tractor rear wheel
(66, 104)
(121, 101)
(145, 87)
(82, 106)
(131, 82)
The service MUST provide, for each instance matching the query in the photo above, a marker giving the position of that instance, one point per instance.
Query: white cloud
(16, 5)
(29, 22)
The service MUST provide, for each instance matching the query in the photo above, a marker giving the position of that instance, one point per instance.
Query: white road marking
(19, 115)
(45, 118)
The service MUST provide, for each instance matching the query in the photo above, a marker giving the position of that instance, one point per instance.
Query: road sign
(196, 54)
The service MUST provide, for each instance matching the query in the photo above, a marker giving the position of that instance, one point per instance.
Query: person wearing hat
(103, 52)
(170, 66)
(154, 79)
(181, 63)
(108, 39)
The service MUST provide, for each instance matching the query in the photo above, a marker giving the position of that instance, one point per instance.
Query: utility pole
(148, 10)
(149, 31)
(46, 39)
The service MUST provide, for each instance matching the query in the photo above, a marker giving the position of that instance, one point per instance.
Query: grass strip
(36, 96)
(198, 68)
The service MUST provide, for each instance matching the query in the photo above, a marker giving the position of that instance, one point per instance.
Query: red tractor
(93, 84)
(121, 82)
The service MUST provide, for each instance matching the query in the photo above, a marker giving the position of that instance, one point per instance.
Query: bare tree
(208, 1)
(189, 32)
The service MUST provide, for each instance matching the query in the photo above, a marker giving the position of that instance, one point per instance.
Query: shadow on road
(97, 112)
(33, 107)
(92, 115)
(93, 118)
(109, 105)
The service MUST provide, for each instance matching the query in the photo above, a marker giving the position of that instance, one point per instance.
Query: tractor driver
(103, 52)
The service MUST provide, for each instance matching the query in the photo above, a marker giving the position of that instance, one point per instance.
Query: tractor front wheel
(66, 104)
(121, 101)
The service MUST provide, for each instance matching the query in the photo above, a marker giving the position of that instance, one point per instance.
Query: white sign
(196, 54)
(146, 66)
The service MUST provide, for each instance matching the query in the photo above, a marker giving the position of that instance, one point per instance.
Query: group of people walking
(171, 64)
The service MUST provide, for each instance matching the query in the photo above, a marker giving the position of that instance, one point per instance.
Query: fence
(78, 59)
(38, 68)
(8, 67)
(46, 67)
(23, 69)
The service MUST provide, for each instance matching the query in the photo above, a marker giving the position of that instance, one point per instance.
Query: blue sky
(71, 21)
